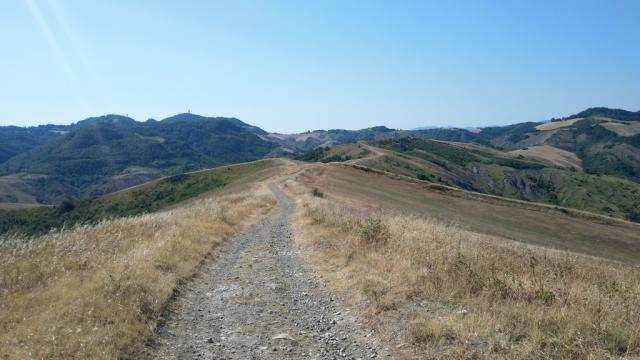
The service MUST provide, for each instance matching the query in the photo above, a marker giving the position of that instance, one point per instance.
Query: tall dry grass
(95, 292)
(441, 292)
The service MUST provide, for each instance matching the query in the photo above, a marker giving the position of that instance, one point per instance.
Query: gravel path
(259, 301)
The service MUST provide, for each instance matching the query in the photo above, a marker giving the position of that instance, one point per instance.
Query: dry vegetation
(437, 291)
(557, 124)
(96, 291)
(622, 128)
(553, 155)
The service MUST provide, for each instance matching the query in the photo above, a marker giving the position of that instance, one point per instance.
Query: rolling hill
(540, 178)
(145, 198)
(298, 144)
(495, 216)
(438, 272)
(588, 161)
(607, 141)
(426, 265)
(101, 155)
(15, 140)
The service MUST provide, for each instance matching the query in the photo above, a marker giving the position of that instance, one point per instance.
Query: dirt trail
(259, 301)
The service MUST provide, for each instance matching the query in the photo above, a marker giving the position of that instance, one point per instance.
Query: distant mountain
(605, 144)
(104, 154)
(101, 154)
(299, 143)
(296, 144)
(618, 114)
(189, 117)
(15, 140)
(114, 119)
(184, 117)
(431, 127)
(606, 141)
(590, 160)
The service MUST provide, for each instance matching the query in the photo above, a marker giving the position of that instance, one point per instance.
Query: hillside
(446, 274)
(600, 141)
(15, 140)
(102, 155)
(590, 160)
(607, 141)
(521, 221)
(146, 198)
(298, 144)
(532, 177)
(110, 276)
(431, 271)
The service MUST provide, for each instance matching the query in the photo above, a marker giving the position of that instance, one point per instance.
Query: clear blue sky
(295, 65)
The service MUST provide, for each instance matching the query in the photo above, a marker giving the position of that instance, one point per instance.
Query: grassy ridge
(515, 220)
(142, 199)
(437, 291)
(493, 172)
(96, 292)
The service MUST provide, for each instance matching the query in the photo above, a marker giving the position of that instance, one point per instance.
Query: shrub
(67, 206)
(317, 193)
(374, 231)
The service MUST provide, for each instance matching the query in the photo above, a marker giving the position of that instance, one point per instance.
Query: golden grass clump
(451, 293)
(96, 291)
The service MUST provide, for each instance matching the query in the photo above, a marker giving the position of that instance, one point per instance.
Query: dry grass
(550, 154)
(96, 292)
(440, 292)
(18, 206)
(621, 128)
(557, 124)
(531, 223)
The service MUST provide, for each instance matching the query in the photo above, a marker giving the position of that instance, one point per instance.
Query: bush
(67, 206)
(317, 193)
(374, 231)
(633, 215)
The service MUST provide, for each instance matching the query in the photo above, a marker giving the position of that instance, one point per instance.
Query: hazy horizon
(290, 67)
